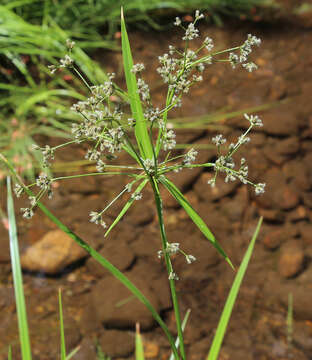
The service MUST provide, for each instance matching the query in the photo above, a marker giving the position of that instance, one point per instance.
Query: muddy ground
(279, 154)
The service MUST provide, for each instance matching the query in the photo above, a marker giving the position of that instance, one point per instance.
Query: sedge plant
(103, 126)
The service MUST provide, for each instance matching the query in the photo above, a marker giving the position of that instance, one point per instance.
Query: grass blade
(17, 278)
(225, 317)
(198, 221)
(141, 132)
(73, 352)
(184, 322)
(289, 321)
(10, 353)
(139, 350)
(127, 206)
(63, 347)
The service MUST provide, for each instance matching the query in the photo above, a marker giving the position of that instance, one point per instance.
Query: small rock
(278, 88)
(288, 146)
(307, 199)
(52, 253)
(299, 213)
(258, 139)
(142, 211)
(120, 255)
(306, 233)
(117, 343)
(275, 124)
(274, 179)
(274, 215)
(279, 151)
(303, 335)
(87, 350)
(297, 174)
(117, 307)
(257, 162)
(206, 192)
(276, 290)
(151, 350)
(291, 259)
(273, 239)
(286, 198)
(234, 208)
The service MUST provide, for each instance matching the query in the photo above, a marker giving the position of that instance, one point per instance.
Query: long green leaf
(139, 351)
(73, 352)
(10, 353)
(100, 259)
(127, 206)
(198, 221)
(62, 336)
(17, 278)
(227, 311)
(141, 132)
(184, 322)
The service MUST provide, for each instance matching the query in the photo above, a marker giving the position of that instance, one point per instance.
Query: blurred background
(35, 108)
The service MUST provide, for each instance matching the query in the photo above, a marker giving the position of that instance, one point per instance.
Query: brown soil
(278, 154)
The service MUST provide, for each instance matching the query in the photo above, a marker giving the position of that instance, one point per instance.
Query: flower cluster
(172, 249)
(225, 163)
(47, 154)
(189, 157)
(244, 52)
(96, 218)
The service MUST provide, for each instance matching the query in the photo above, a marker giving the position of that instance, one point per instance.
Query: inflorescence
(103, 123)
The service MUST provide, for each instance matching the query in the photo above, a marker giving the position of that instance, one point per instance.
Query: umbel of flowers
(106, 127)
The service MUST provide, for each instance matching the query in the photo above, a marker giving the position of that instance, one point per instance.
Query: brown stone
(288, 146)
(52, 253)
(307, 199)
(299, 213)
(117, 343)
(116, 307)
(273, 239)
(291, 259)
(286, 198)
(297, 174)
(303, 335)
(277, 290)
(274, 215)
(151, 349)
(141, 211)
(278, 88)
(117, 252)
(306, 233)
(274, 179)
(206, 192)
(87, 350)
(277, 124)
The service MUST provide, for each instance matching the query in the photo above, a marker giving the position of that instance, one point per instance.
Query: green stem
(164, 240)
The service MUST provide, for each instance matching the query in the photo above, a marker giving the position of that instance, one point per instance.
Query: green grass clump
(32, 103)
(85, 18)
